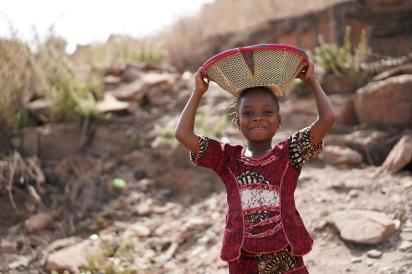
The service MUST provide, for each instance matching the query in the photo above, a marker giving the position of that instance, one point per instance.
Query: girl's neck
(258, 149)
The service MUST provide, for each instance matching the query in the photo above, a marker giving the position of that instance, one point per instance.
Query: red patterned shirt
(261, 211)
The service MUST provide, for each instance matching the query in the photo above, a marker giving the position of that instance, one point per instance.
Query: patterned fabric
(257, 217)
(270, 263)
(203, 142)
(261, 216)
(302, 147)
(250, 177)
(276, 263)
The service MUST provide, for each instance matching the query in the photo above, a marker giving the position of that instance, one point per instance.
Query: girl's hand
(202, 83)
(308, 75)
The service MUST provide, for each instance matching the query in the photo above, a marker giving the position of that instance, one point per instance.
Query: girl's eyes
(247, 113)
(252, 114)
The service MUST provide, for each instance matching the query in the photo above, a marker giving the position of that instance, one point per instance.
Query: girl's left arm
(326, 113)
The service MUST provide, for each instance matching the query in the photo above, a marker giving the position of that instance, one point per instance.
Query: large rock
(371, 144)
(71, 258)
(339, 155)
(340, 84)
(344, 108)
(137, 89)
(111, 104)
(400, 155)
(386, 103)
(398, 70)
(363, 226)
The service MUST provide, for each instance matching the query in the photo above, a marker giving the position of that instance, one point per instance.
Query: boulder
(398, 70)
(340, 155)
(371, 144)
(340, 84)
(111, 104)
(386, 103)
(137, 89)
(363, 226)
(400, 155)
(71, 258)
(345, 109)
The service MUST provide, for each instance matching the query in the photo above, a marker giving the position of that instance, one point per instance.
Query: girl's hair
(235, 105)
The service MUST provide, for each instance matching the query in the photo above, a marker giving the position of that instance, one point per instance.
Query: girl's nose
(258, 116)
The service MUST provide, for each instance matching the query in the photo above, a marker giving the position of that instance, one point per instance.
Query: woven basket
(270, 65)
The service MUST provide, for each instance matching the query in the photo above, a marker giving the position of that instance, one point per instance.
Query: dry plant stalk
(15, 169)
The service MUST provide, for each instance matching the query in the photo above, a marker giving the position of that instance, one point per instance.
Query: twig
(10, 185)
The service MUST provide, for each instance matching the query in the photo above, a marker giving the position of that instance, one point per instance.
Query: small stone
(374, 253)
(20, 261)
(406, 235)
(369, 262)
(140, 230)
(353, 193)
(8, 247)
(38, 222)
(405, 246)
(356, 260)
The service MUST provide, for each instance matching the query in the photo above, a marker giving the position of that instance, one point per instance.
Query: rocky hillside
(119, 195)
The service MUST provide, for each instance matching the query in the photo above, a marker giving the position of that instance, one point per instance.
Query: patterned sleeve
(302, 148)
(212, 154)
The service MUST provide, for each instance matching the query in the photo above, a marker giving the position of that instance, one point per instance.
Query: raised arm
(326, 114)
(184, 132)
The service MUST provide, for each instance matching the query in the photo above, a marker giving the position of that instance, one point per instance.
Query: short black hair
(263, 89)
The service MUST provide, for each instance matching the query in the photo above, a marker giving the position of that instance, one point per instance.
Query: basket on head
(270, 65)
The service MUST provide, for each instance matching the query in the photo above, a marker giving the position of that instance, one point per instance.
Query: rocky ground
(121, 196)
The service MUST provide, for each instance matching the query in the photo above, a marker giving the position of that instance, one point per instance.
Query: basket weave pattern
(252, 67)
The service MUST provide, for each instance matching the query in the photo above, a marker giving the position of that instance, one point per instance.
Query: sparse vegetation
(117, 255)
(118, 50)
(341, 60)
(69, 84)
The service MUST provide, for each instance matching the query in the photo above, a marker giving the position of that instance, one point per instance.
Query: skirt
(270, 263)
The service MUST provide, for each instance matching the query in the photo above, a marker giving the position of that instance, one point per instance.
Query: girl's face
(258, 117)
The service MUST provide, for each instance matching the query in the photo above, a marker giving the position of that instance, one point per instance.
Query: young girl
(264, 232)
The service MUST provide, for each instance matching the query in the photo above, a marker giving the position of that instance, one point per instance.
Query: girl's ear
(238, 122)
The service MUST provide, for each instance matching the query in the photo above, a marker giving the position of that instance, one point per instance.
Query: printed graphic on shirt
(260, 203)
(255, 198)
(302, 148)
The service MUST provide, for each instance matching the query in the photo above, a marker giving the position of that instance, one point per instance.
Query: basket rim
(232, 51)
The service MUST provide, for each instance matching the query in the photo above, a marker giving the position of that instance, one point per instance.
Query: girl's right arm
(185, 127)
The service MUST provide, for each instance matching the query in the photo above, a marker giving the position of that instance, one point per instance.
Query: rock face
(363, 226)
(386, 22)
(386, 103)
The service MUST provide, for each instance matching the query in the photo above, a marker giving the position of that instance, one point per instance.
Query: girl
(264, 232)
